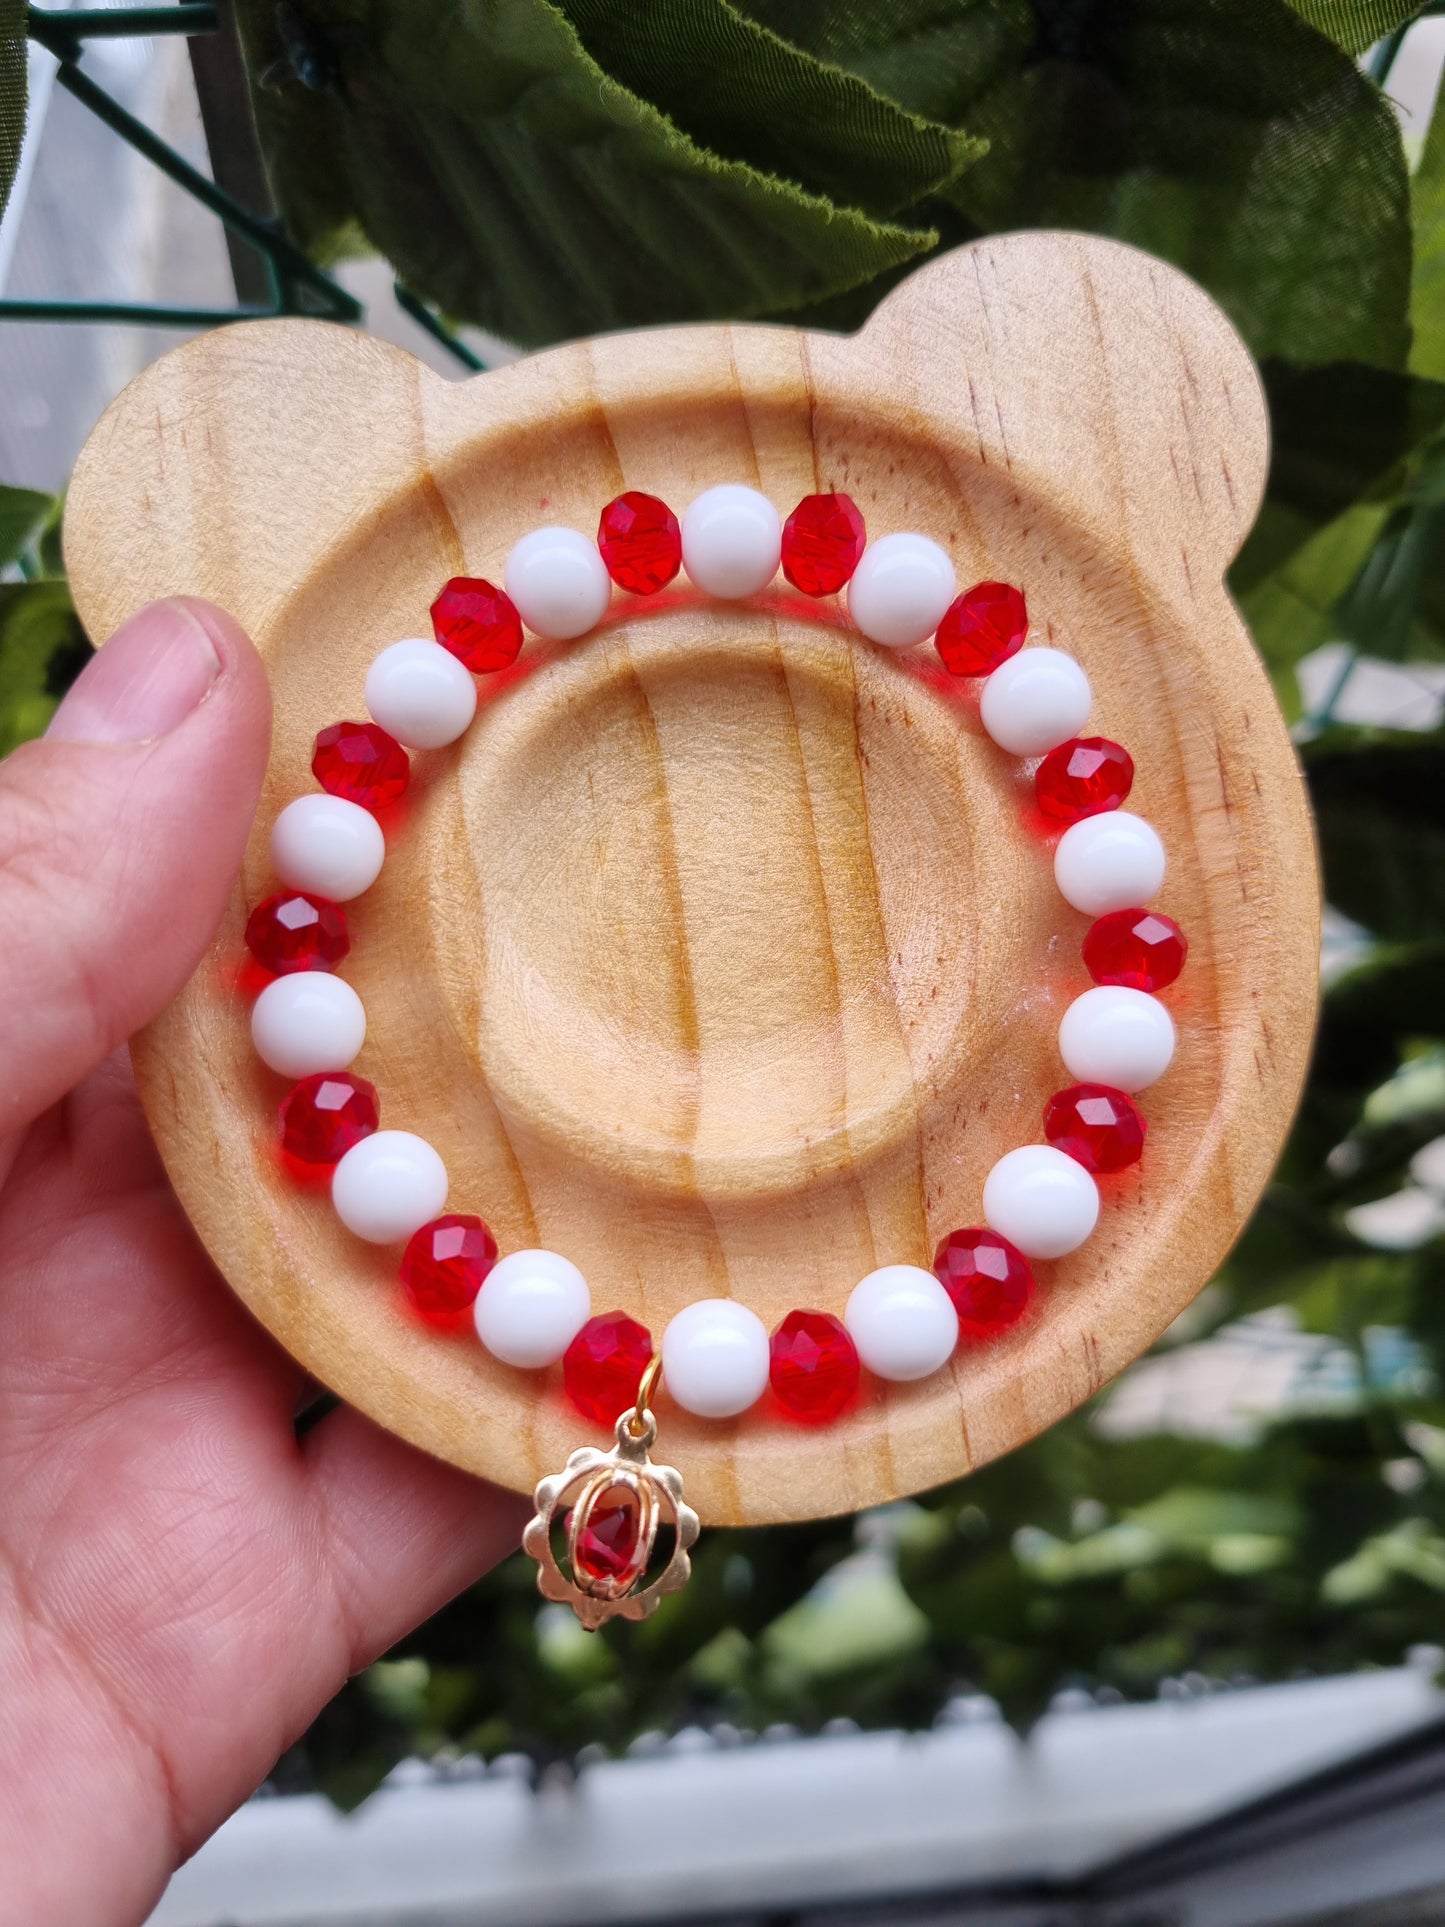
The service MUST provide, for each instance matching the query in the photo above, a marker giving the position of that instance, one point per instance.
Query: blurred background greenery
(544, 170)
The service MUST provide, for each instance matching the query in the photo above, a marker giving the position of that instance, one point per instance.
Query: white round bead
(421, 694)
(328, 846)
(1035, 701)
(732, 541)
(307, 1022)
(902, 1321)
(559, 583)
(1041, 1200)
(388, 1186)
(1112, 1035)
(531, 1306)
(901, 589)
(1109, 862)
(715, 1358)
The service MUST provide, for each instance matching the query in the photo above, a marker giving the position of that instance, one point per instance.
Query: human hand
(183, 1584)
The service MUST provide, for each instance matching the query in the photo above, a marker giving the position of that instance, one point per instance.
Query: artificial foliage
(546, 168)
(42, 646)
(554, 167)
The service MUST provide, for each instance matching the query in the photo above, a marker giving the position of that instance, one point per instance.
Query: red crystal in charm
(1100, 1128)
(814, 1368)
(479, 624)
(603, 1366)
(823, 542)
(989, 1282)
(982, 628)
(444, 1264)
(640, 542)
(610, 1543)
(1083, 778)
(294, 931)
(323, 1116)
(1137, 948)
(360, 762)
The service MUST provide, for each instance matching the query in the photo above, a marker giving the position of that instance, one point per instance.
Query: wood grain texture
(724, 954)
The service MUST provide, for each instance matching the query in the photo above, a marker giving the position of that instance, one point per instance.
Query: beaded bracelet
(532, 1308)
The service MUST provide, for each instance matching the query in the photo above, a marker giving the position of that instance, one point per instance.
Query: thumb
(120, 834)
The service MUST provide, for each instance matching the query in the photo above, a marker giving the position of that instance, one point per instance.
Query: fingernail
(148, 678)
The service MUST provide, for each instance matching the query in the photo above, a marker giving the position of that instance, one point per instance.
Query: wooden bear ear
(1092, 373)
(230, 466)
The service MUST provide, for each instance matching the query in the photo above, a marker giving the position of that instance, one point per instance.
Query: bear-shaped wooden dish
(723, 954)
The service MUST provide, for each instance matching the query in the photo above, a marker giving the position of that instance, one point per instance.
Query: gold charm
(614, 1504)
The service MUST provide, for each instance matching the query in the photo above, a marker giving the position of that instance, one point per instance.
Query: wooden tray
(724, 954)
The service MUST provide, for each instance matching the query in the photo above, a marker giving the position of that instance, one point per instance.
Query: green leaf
(1291, 611)
(1411, 1550)
(1113, 1549)
(1397, 995)
(39, 636)
(1363, 1576)
(1427, 285)
(1381, 828)
(515, 184)
(13, 88)
(1226, 136)
(1339, 434)
(1238, 1532)
(858, 1616)
(25, 514)
(1192, 1517)
(1356, 25)
(1374, 575)
(733, 86)
(1412, 1100)
(1353, 447)
(1370, 1018)
(1429, 1442)
(1379, 613)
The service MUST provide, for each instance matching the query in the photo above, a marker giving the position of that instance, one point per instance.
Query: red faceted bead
(603, 1366)
(1083, 778)
(989, 1282)
(823, 541)
(814, 1366)
(444, 1265)
(608, 1546)
(1138, 948)
(362, 763)
(982, 628)
(294, 931)
(323, 1116)
(478, 623)
(640, 542)
(1099, 1127)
